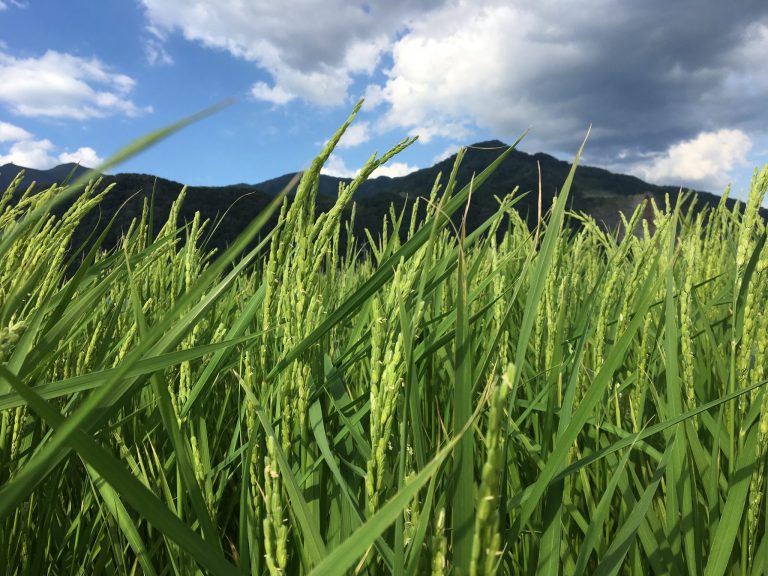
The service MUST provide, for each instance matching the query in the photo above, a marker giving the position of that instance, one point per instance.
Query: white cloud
(274, 94)
(394, 170)
(25, 150)
(335, 166)
(30, 154)
(374, 97)
(64, 86)
(85, 156)
(3, 5)
(505, 66)
(326, 86)
(11, 133)
(442, 69)
(706, 159)
(311, 50)
(363, 56)
(460, 66)
(356, 134)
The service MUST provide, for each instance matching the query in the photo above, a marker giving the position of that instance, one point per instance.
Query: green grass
(562, 401)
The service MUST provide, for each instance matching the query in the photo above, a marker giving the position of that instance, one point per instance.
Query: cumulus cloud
(708, 158)
(335, 166)
(30, 152)
(85, 156)
(312, 51)
(394, 170)
(64, 86)
(644, 75)
(460, 65)
(358, 133)
(274, 94)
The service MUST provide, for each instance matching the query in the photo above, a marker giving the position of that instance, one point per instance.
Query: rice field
(556, 401)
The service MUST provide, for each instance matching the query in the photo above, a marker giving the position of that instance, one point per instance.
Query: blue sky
(675, 94)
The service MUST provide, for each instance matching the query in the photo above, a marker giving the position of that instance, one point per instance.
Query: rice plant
(430, 401)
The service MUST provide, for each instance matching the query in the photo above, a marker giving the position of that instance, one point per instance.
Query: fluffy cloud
(394, 170)
(644, 75)
(64, 86)
(30, 154)
(707, 158)
(10, 133)
(25, 150)
(273, 94)
(85, 156)
(457, 64)
(358, 133)
(335, 166)
(312, 51)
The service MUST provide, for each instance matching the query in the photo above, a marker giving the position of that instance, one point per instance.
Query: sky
(674, 92)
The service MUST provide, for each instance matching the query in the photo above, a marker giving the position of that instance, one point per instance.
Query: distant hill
(54, 175)
(595, 191)
(519, 169)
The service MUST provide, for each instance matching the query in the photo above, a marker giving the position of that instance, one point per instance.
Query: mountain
(57, 174)
(519, 169)
(595, 191)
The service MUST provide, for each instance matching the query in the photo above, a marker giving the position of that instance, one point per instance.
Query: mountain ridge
(329, 184)
(597, 192)
(55, 175)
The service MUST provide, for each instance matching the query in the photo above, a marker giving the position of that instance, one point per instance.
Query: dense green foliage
(560, 400)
